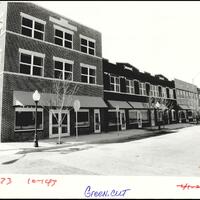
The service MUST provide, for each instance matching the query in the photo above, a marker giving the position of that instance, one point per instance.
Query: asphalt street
(174, 154)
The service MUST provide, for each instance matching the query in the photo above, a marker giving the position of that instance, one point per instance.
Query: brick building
(133, 95)
(39, 49)
(187, 100)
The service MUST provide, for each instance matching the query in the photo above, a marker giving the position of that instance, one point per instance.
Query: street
(174, 154)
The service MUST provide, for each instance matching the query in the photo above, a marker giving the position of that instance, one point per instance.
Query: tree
(60, 97)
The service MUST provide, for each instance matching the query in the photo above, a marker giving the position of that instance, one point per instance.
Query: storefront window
(132, 116)
(83, 118)
(145, 117)
(25, 119)
(112, 118)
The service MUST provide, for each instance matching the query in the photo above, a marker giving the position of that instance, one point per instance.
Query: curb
(149, 133)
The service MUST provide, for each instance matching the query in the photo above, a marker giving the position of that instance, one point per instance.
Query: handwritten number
(9, 181)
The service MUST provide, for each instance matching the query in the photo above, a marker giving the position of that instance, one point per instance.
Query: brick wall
(14, 42)
(14, 23)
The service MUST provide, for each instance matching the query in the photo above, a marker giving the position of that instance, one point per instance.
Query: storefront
(139, 115)
(52, 119)
(116, 116)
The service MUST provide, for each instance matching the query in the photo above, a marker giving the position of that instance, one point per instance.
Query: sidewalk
(109, 137)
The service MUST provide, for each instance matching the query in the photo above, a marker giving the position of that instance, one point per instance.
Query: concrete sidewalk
(109, 137)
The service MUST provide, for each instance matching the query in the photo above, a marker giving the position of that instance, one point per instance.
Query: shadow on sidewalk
(151, 133)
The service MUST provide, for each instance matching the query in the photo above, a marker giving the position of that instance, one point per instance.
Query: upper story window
(147, 85)
(115, 83)
(171, 93)
(88, 73)
(87, 45)
(32, 27)
(130, 86)
(151, 90)
(63, 37)
(154, 90)
(167, 92)
(142, 88)
(159, 91)
(163, 92)
(174, 93)
(31, 63)
(63, 69)
(136, 86)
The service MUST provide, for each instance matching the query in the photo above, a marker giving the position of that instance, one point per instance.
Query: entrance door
(152, 118)
(56, 117)
(139, 119)
(123, 119)
(97, 121)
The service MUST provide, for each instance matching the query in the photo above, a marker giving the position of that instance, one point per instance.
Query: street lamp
(158, 106)
(36, 98)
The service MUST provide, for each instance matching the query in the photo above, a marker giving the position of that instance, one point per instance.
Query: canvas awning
(139, 105)
(121, 104)
(21, 98)
(163, 107)
(184, 107)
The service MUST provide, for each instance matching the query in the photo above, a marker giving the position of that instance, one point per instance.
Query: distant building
(187, 100)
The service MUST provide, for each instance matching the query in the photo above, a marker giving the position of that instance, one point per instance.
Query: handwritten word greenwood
(106, 193)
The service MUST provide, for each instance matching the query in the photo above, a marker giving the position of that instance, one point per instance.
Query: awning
(184, 107)
(21, 98)
(139, 105)
(163, 107)
(121, 104)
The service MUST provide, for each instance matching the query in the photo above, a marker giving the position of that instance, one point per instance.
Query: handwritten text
(188, 186)
(48, 182)
(104, 193)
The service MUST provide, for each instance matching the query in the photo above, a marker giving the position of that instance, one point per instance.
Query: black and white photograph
(99, 89)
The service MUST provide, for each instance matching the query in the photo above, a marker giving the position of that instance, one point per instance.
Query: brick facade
(12, 80)
(120, 70)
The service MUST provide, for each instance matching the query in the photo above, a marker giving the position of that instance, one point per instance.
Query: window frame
(64, 61)
(115, 84)
(130, 89)
(78, 123)
(87, 46)
(20, 109)
(32, 54)
(135, 111)
(82, 65)
(117, 115)
(33, 19)
(63, 38)
(147, 83)
(142, 88)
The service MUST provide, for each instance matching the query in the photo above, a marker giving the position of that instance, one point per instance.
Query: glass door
(139, 119)
(97, 121)
(59, 123)
(123, 119)
(152, 118)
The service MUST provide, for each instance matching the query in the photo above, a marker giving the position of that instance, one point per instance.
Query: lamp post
(36, 98)
(158, 106)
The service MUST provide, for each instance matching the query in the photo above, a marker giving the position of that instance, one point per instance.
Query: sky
(160, 37)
